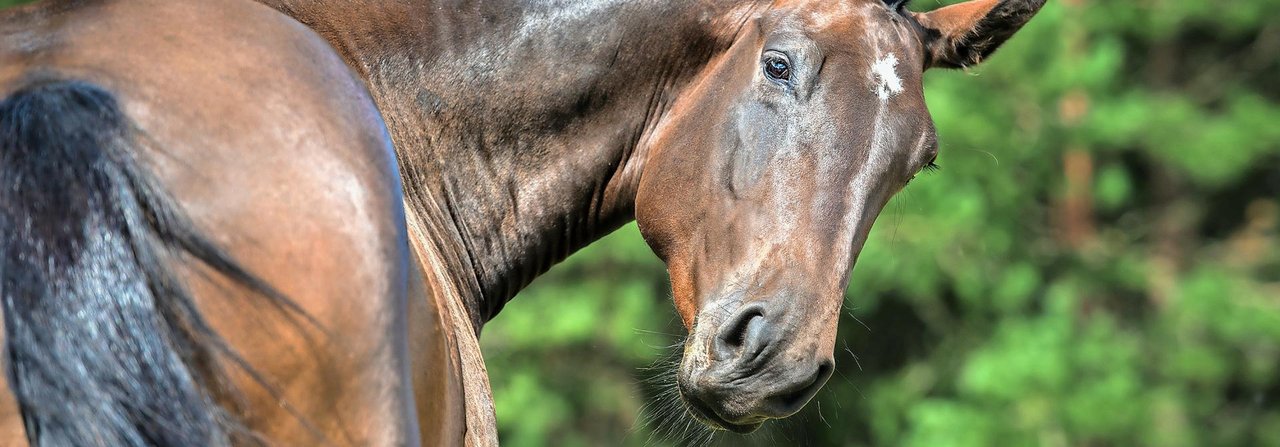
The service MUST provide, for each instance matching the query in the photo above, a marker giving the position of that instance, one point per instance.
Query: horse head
(760, 190)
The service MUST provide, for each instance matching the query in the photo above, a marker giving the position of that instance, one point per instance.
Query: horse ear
(964, 34)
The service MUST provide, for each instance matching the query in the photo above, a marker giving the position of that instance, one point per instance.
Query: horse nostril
(743, 335)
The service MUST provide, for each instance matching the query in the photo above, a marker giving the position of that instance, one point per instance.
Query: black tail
(103, 345)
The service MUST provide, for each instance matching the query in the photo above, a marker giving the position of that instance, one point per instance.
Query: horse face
(763, 184)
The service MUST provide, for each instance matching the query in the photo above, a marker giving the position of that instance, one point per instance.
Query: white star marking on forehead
(885, 73)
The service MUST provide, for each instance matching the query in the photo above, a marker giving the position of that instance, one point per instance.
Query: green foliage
(572, 349)
(992, 317)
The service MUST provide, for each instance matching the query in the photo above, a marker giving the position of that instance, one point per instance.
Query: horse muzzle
(745, 375)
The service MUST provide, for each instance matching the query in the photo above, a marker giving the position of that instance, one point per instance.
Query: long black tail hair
(103, 345)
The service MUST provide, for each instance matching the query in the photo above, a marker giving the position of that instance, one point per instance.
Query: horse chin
(714, 421)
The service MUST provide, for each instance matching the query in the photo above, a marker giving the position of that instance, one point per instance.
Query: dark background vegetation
(1096, 265)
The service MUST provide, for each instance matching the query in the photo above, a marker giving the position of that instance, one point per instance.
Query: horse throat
(521, 128)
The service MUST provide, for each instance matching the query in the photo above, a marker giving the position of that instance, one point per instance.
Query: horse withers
(220, 249)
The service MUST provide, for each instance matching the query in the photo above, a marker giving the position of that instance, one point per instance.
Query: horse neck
(521, 128)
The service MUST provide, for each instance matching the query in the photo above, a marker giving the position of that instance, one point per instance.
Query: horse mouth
(713, 420)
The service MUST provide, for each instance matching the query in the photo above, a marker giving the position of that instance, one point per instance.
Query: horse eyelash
(930, 168)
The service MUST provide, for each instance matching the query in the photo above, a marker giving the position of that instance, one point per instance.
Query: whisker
(855, 318)
(989, 154)
(652, 332)
(855, 356)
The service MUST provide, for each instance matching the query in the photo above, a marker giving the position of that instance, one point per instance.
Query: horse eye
(777, 68)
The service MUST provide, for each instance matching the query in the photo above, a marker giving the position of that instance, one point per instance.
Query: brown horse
(206, 241)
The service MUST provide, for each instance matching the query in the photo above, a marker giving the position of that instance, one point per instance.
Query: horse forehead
(858, 23)
(835, 15)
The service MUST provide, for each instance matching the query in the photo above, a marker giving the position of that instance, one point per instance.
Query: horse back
(273, 148)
